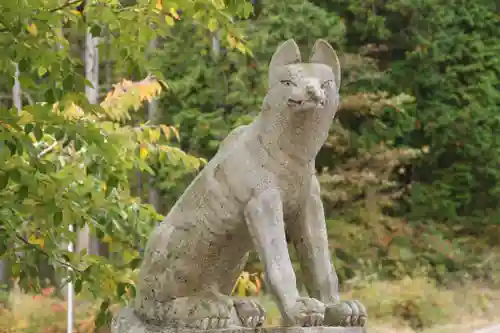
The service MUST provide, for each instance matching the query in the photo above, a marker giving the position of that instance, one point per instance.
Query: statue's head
(302, 99)
(302, 86)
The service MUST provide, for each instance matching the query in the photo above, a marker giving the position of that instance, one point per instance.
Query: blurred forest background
(108, 109)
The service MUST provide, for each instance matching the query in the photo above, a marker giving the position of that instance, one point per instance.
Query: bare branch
(48, 149)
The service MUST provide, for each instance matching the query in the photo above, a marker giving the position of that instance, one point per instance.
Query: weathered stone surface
(261, 183)
(127, 322)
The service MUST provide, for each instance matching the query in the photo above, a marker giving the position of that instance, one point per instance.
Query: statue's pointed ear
(323, 53)
(286, 54)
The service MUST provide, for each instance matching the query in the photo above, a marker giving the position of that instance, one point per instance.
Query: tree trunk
(17, 102)
(91, 57)
(154, 195)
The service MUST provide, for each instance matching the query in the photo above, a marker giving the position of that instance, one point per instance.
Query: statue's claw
(346, 313)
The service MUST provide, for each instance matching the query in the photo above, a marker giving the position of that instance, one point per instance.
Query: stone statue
(260, 183)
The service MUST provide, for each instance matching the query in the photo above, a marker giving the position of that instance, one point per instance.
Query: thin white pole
(215, 45)
(16, 91)
(70, 291)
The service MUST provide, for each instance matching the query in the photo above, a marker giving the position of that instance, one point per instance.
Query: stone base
(126, 322)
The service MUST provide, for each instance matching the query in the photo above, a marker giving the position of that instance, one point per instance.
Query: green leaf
(28, 128)
(58, 218)
(23, 65)
(120, 289)
(79, 143)
(12, 147)
(100, 319)
(134, 263)
(96, 30)
(69, 83)
(59, 134)
(38, 132)
(50, 96)
(212, 24)
(78, 286)
(23, 192)
(4, 180)
(104, 305)
(15, 175)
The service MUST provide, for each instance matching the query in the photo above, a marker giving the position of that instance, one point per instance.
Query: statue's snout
(315, 94)
(312, 97)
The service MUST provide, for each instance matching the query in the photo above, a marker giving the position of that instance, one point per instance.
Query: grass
(418, 305)
(404, 306)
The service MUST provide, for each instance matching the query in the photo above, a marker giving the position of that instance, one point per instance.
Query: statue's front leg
(309, 236)
(264, 218)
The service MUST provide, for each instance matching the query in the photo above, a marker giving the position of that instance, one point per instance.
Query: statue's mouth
(305, 105)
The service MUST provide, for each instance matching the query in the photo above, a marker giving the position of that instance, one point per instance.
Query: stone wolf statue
(259, 185)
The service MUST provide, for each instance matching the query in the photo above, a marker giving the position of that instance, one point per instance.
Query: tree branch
(41, 251)
(48, 149)
(67, 4)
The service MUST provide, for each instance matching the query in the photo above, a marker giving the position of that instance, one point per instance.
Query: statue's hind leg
(196, 311)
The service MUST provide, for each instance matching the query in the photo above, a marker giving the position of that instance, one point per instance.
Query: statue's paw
(208, 314)
(305, 312)
(250, 313)
(210, 323)
(346, 313)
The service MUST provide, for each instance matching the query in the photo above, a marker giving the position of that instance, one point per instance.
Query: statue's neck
(296, 135)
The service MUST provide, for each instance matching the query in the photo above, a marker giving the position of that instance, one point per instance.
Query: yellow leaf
(165, 148)
(109, 285)
(231, 41)
(154, 135)
(241, 289)
(212, 24)
(32, 137)
(169, 20)
(107, 239)
(128, 95)
(26, 118)
(173, 12)
(129, 255)
(166, 131)
(244, 285)
(162, 84)
(73, 112)
(41, 71)
(36, 241)
(218, 4)
(196, 163)
(241, 47)
(198, 15)
(143, 152)
(32, 29)
(159, 4)
(29, 202)
(176, 133)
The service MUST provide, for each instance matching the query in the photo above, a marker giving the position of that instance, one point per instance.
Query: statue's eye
(327, 84)
(287, 83)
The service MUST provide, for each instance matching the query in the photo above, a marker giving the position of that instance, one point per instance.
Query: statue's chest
(294, 188)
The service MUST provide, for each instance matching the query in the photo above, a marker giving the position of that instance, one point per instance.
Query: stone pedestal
(127, 322)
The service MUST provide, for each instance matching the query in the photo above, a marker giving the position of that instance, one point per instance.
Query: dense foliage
(65, 164)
